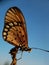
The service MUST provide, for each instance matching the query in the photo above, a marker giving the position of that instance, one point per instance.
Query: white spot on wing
(4, 37)
(11, 24)
(15, 23)
(4, 33)
(6, 29)
(7, 26)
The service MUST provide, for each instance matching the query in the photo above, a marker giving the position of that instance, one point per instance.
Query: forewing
(14, 30)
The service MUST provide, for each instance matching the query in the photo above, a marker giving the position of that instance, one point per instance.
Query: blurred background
(36, 13)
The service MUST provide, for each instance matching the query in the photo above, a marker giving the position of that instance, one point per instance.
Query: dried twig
(13, 53)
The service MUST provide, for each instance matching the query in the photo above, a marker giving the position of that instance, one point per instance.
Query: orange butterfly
(14, 30)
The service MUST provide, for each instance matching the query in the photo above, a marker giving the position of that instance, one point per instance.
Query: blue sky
(36, 13)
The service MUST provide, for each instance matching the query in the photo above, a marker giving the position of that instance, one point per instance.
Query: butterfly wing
(14, 30)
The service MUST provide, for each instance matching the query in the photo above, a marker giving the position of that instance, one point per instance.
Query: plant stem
(13, 53)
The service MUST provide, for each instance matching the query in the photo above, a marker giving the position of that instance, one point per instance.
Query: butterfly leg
(21, 56)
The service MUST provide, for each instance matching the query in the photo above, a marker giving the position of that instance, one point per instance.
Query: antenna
(40, 49)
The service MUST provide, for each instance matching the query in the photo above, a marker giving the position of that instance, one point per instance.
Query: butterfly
(14, 31)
